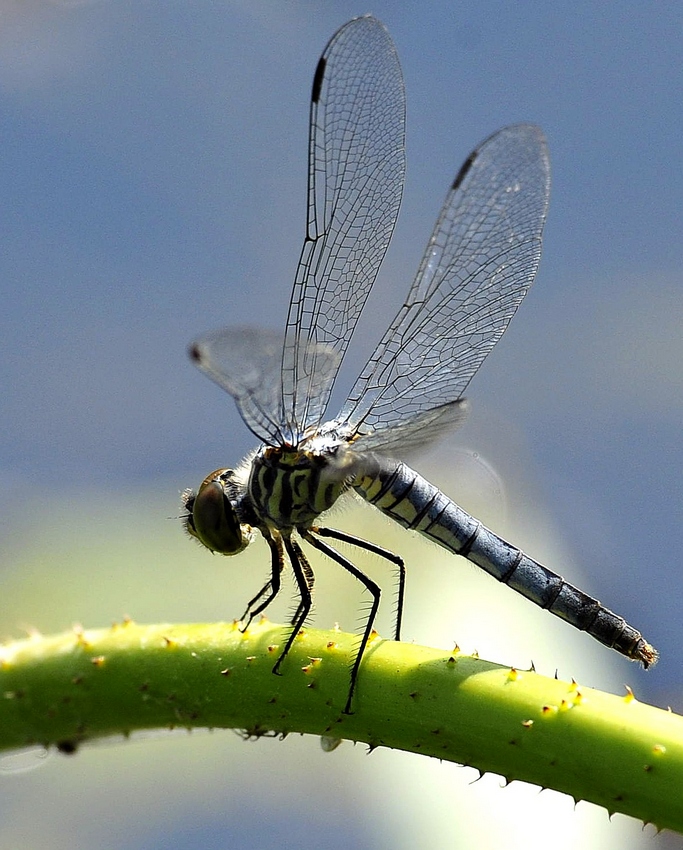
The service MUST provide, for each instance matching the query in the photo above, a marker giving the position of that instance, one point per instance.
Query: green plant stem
(81, 685)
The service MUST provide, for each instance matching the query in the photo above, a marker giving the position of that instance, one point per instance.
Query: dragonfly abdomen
(412, 501)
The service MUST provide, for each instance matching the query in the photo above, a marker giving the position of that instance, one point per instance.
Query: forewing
(480, 262)
(246, 362)
(356, 172)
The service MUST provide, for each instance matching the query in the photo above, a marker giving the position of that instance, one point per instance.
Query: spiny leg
(310, 582)
(369, 584)
(272, 586)
(304, 577)
(383, 553)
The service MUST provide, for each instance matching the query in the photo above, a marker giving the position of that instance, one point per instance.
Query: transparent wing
(479, 264)
(420, 430)
(356, 173)
(246, 362)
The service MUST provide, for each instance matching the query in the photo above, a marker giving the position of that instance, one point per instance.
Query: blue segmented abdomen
(408, 498)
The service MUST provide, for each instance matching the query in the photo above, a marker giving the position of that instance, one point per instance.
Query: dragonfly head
(211, 516)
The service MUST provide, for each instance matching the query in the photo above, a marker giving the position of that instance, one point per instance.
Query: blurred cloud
(40, 44)
(609, 347)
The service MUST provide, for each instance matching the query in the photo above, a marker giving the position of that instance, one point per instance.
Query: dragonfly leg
(398, 562)
(309, 578)
(271, 587)
(304, 577)
(369, 584)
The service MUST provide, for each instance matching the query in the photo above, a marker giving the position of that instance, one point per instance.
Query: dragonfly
(480, 261)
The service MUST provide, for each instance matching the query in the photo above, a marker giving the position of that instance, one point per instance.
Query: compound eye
(213, 519)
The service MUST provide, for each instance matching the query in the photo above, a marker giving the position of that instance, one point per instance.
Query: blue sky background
(152, 187)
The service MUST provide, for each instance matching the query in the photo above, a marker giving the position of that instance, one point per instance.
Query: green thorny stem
(81, 685)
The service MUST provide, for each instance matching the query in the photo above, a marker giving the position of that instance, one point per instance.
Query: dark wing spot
(318, 79)
(467, 164)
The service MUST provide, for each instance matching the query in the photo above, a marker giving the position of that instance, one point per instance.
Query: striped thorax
(289, 488)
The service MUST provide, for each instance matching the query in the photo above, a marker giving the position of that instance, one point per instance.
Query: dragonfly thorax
(289, 487)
